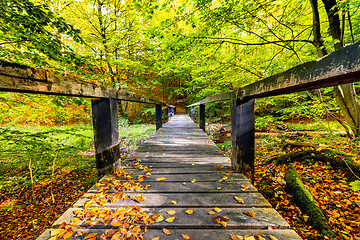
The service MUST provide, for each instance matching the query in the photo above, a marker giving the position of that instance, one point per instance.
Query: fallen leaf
(238, 199)
(189, 211)
(249, 238)
(236, 237)
(116, 223)
(251, 214)
(161, 179)
(271, 227)
(156, 238)
(217, 209)
(259, 236)
(169, 220)
(171, 212)
(173, 202)
(221, 220)
(211, 212)
(67, 235)
(160, 218)
(185, 236)
(218, 188)
(273, 238)
(90, 235)
(166, 231)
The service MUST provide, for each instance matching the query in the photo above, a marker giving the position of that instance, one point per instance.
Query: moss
(306, 202)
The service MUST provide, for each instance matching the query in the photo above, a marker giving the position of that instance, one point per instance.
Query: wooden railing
(339, 67)
(20, 78)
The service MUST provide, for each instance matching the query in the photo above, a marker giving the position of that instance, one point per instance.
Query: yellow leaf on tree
(217, 209)
(239, 199)
(189, 211)
(185, 236)
(166, 231)
(170, 219)
(161, 179)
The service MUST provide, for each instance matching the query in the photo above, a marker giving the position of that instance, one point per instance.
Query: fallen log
(335, 159)
(287, 143)
(306, 202)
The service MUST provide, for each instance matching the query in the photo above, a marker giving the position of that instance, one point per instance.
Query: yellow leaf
(238, 199)
(53, 238)
(161, 179)
(218, 188)
(211, 212)
(170, 219)
(173, 202)
(273, 238)
(217, 209)
(185, 236)
(75, 221)
(166, 231)
(159, 218)
(156, 238)
(189, 211)
(171, 212)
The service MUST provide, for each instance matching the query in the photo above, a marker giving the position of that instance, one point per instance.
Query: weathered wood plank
(21, 78)
(339, 67)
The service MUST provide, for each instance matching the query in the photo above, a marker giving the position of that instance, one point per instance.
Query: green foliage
(32, 32)
(355, 186)
(43, 146)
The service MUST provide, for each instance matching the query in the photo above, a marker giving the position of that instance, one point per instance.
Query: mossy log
(306, 202)
(336, 160)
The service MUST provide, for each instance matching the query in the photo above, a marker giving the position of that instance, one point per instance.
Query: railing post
(174, 110)
(192, 112)
(188, 111)
(202, 116)
(243, 137)
(158, 116)
(106, 134)
(170, 111)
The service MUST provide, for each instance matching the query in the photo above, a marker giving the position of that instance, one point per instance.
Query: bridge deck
(181, 169)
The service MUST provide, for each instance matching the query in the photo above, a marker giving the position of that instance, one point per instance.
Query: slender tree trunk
(345, 95)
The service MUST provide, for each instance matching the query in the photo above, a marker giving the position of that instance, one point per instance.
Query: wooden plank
(195, 234)
(20, 78)
(339, 67)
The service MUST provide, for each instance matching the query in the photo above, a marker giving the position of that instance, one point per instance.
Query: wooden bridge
(179, 178)
(181, 169)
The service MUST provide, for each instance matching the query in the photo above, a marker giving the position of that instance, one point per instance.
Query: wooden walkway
(181, 169)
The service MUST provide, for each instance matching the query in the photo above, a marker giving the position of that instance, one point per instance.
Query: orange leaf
(236, 237)
(238, 199)
(217, 210)
(211, 212)
(271, 227)
(90, 235)
(251, 214)
(116, 223)
(166, 231)
(259, 236)
(67, 235)
(156, 238)
(185, 236)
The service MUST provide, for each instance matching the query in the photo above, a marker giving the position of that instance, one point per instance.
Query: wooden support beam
(20, 78)
(192, 113)
(106, 134)
(158, 116)
(188, 111)
(340, 67)
(243, 137)
(202, 116)
(171, 112)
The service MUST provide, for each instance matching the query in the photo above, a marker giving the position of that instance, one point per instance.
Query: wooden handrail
(20, 78)
(340, 67)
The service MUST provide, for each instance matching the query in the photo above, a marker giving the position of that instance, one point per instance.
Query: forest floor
(32, 208)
